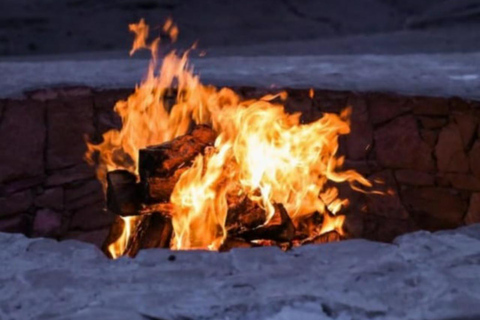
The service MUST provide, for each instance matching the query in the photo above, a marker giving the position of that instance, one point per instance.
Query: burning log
(123, 193)
(243, 214)
(146, 232)
(231, 243)
(331, 236)
(160, 166)
(280, 228)
(154, 231)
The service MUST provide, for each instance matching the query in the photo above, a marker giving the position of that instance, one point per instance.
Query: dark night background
(44, 27)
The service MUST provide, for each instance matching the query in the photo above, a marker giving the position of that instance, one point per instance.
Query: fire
(261, 151)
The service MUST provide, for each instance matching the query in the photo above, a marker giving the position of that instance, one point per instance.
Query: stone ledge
(421, 276)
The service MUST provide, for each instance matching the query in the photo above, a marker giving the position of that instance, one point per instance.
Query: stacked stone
(46, 187)
(425, 150)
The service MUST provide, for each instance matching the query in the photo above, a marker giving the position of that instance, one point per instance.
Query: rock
(360, 139)
(414, 178)
(106, 99)
(430, 137)
(107, 120)
(387, 204)
(398, 145)
(51, 198)
(467, 125)
(22, 139)
(430, 106)
(474, 159)
(15, 203)
(69, 122)
(58, 93)
(91, 217)
(83, 194)
(463, 181)
(96, 237)
(47, 223)
(385, 107)
(432, 123)
(435, 208)
(330, 101)
(473, 213)
(19, 223)
(299, 101)
(385, 229)
(449, 150)
(79, 172)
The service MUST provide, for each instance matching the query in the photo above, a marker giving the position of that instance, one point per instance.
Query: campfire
(197, 167)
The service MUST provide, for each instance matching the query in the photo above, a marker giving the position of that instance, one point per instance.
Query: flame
(117, 248)
(260, 147)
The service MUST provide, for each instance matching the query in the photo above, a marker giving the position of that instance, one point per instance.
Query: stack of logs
(160, 167)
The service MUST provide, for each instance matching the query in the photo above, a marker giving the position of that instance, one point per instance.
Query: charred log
(154, 231)
(280, 228)
(123, 193)
(331, 236)
(150, 231)
(231, 243)
(160, 166)
(243, 214)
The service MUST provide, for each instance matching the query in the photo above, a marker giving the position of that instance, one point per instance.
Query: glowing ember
(260, 152)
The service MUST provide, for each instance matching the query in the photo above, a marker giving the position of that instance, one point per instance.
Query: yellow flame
(273, 157)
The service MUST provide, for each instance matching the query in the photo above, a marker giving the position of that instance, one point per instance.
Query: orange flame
(273, 157)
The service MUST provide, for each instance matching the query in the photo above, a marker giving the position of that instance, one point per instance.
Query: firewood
(280, 228)
(150, 231)
(331, 236)
(154, 231)
(162, 160)
(231, 243)
(161, 166)
(243, 214)
(116, 230)
(123, 196)
(159, 189)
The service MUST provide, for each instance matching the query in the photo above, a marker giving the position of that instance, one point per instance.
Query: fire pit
(182, 163)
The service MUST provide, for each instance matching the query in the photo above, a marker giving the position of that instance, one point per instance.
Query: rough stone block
(435, 208)
(51, 198)
(79, 172)
(19, 223)
(360, 139)
(47, 223)
(106, 99)
(398, 145)
(83, 194)
(473, 213)
(430, 137)
(467, 125)
(69, 122)
(449, 151)
(15, 203)
(91, 217)
(433, 123)
(387, 204)
(463, 181)
(330, 101)
(385, 107)
(414, 178)
(430, 106)
(96, 237)
(474, 159)
(22, 138)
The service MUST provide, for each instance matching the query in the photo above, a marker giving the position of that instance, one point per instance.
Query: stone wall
(425, 150)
